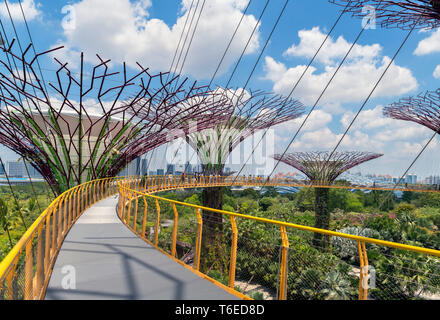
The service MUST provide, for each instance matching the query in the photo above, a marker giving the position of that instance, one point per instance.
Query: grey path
(111, 262)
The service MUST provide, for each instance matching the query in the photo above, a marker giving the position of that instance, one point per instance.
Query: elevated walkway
(108, 261)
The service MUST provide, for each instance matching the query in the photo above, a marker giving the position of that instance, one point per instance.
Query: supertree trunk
(213, 254)
(322, 217)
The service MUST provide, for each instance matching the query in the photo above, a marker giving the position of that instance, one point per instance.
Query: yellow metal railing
(26, 270)
(132, 190)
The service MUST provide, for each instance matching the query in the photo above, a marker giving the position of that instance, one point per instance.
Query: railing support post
(144, 219)
(156, 232)
(284, 264)
(363, 272)
(198, 240)
(174, 240)
(39, 270)
(232, 264)
(29, 279)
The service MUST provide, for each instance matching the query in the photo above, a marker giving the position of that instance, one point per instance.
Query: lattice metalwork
(248, 113)
(318, 167)
(423, 109)
(90, 126)
(396, 14)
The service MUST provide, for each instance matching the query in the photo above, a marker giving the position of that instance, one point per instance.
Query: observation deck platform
(105, 260)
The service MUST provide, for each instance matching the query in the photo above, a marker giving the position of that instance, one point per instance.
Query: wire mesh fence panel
(186, 237)
(315, 273)
(402, 275)
(258, 260)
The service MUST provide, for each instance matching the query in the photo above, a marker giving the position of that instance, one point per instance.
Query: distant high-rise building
(16, 169)
(160, 172)
(2, 169)
(33, 172)
(131, 169)
(411, 178)
(189, 168)
(170, 168)
(433, 180)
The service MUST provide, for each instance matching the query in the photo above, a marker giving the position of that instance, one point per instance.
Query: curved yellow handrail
(50, 228)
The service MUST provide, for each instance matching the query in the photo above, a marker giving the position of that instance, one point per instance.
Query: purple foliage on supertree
(245, 113)
(319, 168)
(88, 126)
(423, 109)
(396, 14)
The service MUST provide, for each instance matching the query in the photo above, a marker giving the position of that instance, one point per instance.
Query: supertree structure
(423, 109)
(245, 114)
(86, 126)
(396, 14)
(323, 169)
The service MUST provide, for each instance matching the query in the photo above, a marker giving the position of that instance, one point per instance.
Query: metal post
(174, 240)
(156, 232)
(198, 240)
(284, 264)
(232, 264)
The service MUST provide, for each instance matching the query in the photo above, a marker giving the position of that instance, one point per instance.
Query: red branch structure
(89, 126)
(319, 168)
(397, 14)
(244, 114)
(323, 169)
(423, 109)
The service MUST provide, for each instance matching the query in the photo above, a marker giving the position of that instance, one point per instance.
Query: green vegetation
(333, 273)
(29, 207)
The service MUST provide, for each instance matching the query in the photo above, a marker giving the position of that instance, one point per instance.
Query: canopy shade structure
(423, 109)
(246, 114)
(406, 14)
(318, 167)
(323, 168)
(88, 126)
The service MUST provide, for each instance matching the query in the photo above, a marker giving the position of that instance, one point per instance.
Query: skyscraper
(170, 169)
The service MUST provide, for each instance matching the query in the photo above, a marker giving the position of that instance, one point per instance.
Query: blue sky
(148, 30)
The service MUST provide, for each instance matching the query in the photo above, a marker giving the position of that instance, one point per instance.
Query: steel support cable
(263, 49)
(371, 93)
(229, 44)
(44, 84)
(294, 87)
(317, 101)
(404, 174)
(192, 37)
(183, 46)
(239, 60)
(33, 46)
(189, 46)
(180, 40)
(19, 96)
(186, 37)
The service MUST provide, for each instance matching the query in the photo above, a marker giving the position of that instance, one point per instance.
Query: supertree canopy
(319, 168)
(88, 126)
(423, 109)
(397, 14)
(323, 169)
(245, 114)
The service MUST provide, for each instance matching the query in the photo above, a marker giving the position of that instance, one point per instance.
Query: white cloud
(121, 31)
(353, 82)
(311, 40)
(29, 7)
(318, 119)
(429, 45)
(436, 73)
